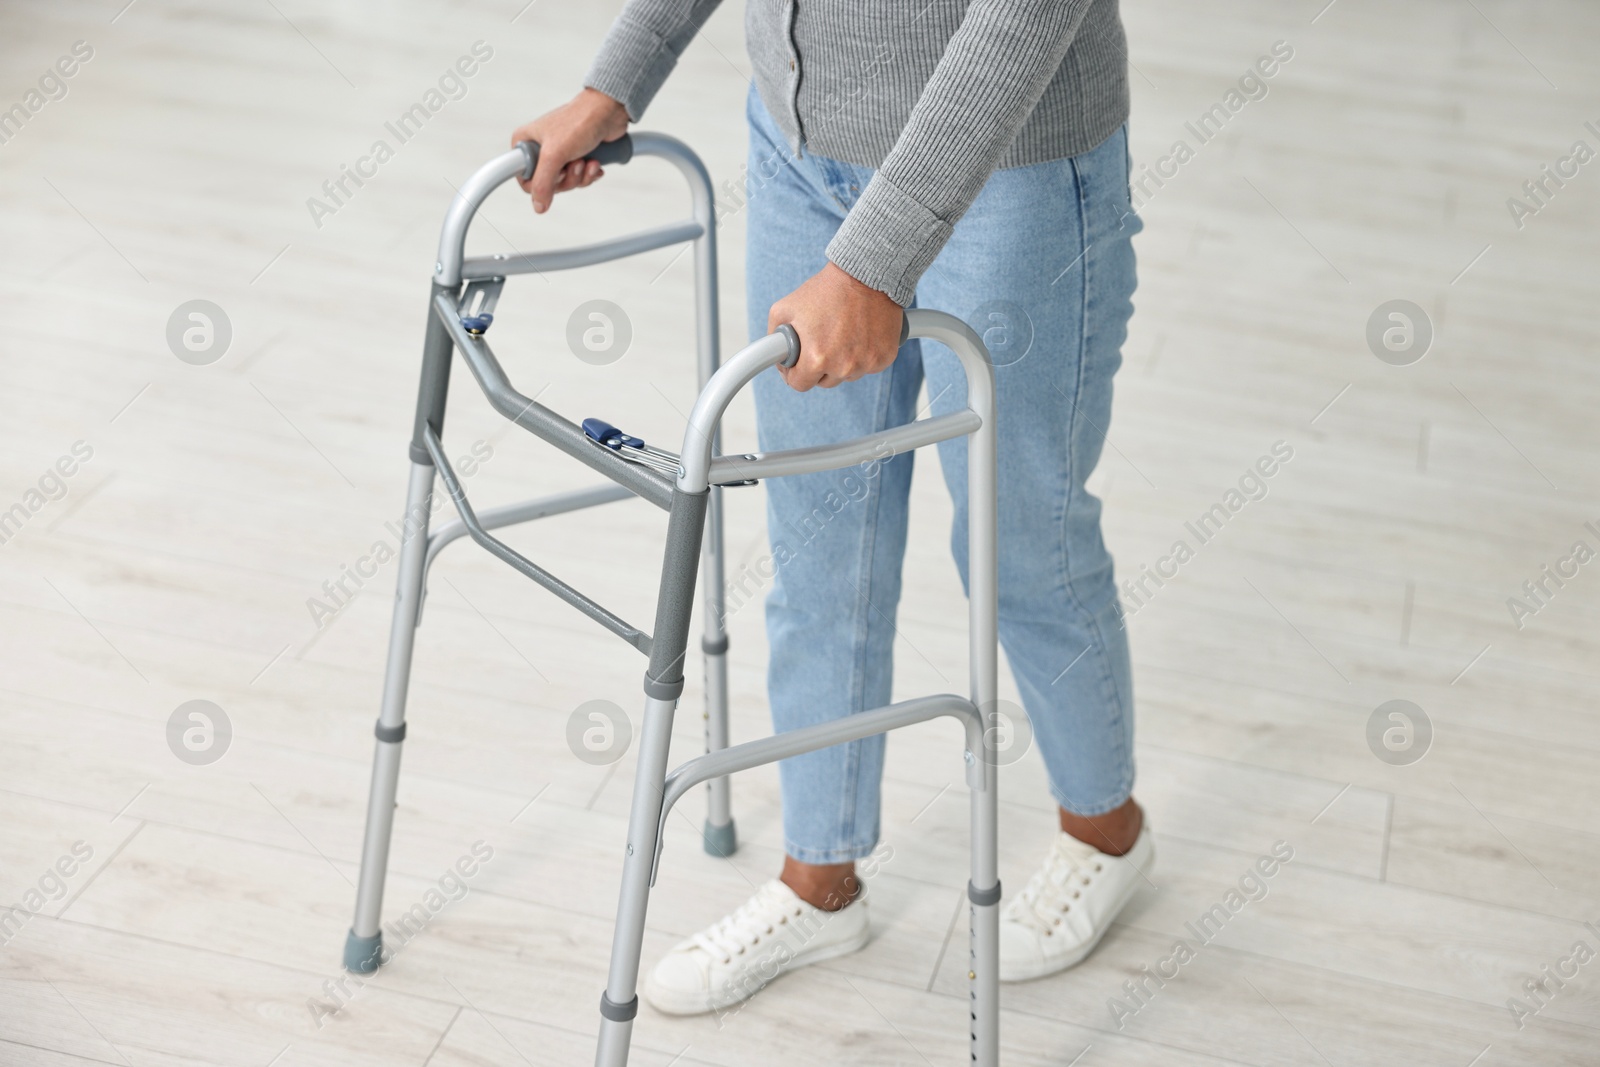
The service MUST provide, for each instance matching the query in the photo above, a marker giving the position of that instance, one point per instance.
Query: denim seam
(865, 609)
(849, 808)
(1123, 701)
(1108, 689)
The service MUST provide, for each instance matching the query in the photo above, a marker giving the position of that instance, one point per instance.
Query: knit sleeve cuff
(631, 66)
(888, 240)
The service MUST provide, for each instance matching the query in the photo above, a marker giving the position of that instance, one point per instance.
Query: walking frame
(688, 488)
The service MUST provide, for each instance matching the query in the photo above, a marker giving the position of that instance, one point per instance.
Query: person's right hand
(565, 136)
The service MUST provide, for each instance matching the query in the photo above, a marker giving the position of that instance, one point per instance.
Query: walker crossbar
(881, 445)
(567, 258)
(629, 633)
(512, 514)
(823, 735)
(649, 483)
(461, 306)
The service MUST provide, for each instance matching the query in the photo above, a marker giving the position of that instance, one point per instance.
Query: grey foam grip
(618, 151)
(794, 338)
(794, 345)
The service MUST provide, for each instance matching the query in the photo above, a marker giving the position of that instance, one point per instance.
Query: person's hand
(565, 136)
(847, 330)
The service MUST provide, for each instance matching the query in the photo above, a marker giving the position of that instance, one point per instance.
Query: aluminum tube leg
(364, 946)
(719, 835)
(620, 1002)
(983, 656)
(983, 969)
(363, 949)
(663, 682)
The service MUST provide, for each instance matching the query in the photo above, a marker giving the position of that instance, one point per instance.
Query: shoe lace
(733, 934)
(1049, 894)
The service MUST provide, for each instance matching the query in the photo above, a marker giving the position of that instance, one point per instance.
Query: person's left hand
(847, 329)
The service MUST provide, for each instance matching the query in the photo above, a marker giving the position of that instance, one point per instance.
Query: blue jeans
(1043, 267)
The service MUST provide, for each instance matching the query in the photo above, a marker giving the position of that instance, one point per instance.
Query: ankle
(1114, 832)
(825, 886)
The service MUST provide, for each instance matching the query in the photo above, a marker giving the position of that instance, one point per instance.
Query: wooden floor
(206, 923)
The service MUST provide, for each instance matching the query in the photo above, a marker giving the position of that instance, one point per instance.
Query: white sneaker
(1068, 905)
(731, 960)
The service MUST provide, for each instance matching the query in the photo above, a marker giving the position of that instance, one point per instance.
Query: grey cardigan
(935, 94)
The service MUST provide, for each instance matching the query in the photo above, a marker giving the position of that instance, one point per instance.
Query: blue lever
(602, 432)
(477, 323)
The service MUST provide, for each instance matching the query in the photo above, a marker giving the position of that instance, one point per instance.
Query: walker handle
(794, 341)
(618, 151)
